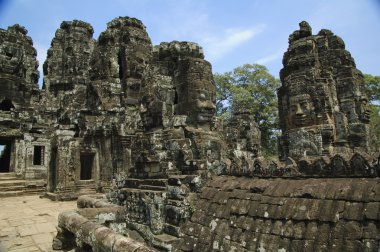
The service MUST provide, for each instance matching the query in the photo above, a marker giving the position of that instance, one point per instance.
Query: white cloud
(186, 23)
(217, 46)
(182, 22)
(269, 58)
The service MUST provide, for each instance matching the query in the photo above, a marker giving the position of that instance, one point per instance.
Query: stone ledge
(88, 233)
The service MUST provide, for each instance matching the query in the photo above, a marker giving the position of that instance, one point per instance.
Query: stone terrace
(28, 223)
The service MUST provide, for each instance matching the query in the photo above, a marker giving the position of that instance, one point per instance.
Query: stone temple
(130, 128)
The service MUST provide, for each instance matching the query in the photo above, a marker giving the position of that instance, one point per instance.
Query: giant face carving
(151, 114)
(249, 130)
(201, 102)
(196, 93)
(12, 58)
(363, 110)
(301, 111)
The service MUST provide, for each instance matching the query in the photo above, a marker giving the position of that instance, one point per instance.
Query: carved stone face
(254, 140)
(243, 133)
(12, 57)
(301, 110)
(196, 94)
(253, 147)
(202, 104)
(364, 110)
(151, 114)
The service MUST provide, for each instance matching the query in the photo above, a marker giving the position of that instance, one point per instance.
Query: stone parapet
(89, 234)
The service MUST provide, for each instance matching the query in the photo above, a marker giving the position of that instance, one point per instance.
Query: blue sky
(232, 33)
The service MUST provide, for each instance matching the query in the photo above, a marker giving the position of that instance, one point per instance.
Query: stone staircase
(84, 187)
(11, 185)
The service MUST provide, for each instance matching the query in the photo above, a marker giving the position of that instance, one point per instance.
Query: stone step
(10, 183)
(67, 194)
(13, 188)
(7, 175)
(136, 183)
(85, 191)
(166, 238)
(34, 191)
(35, 183)
(180, 179)
(154, 182)
(4, 194)
(152, 188)
(176, 202)
(8, 178)
(173, 172)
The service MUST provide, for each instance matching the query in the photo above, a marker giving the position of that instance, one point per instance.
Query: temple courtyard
(28, 223)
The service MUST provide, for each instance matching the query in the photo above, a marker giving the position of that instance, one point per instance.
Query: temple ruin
(137, 122)
(23, 133)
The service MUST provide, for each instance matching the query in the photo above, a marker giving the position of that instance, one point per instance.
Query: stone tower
(22, 129)
(18, 67)
(68, 58)
(323, 104)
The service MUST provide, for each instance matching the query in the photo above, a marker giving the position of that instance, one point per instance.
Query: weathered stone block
(372, 210)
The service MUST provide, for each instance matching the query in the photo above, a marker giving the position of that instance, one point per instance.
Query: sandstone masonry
(137, 121)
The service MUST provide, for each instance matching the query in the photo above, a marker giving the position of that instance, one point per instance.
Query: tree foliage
(375, 121)
(373, 87)
(373, 91)
(250, 88)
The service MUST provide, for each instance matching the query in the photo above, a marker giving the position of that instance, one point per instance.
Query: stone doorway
(6, 105)
(5, 155)
(86, 165)
(52, 183)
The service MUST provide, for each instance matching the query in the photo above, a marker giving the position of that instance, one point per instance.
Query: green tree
(375, 121)
(373, 87)
(373, 91)
(250, 88)
(223, 94)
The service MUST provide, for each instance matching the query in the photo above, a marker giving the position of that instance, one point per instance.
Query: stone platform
(28, 223)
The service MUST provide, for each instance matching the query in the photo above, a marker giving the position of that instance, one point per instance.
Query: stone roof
(243, 214)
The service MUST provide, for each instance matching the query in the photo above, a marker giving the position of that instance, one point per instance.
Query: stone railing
(74, 230)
